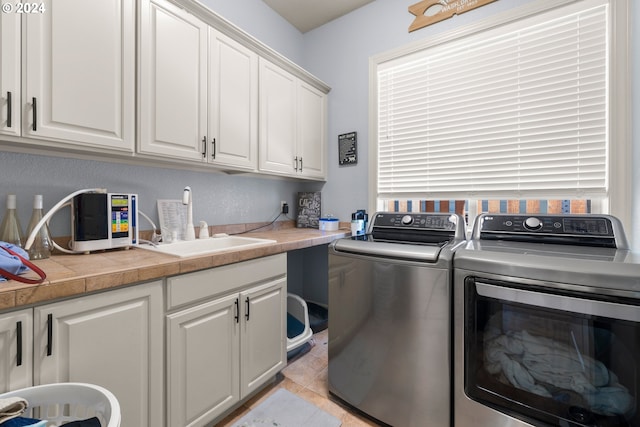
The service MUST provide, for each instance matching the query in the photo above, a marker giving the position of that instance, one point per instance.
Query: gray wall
(217, 198)
(260, 21)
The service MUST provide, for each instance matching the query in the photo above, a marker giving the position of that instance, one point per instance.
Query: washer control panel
(424, 221)
(558, 225)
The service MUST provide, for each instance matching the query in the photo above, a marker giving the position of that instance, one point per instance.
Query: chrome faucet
(187, 199)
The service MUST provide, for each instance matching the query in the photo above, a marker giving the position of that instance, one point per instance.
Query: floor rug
(284, 409)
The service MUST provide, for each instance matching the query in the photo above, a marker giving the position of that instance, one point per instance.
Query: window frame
(618, 202)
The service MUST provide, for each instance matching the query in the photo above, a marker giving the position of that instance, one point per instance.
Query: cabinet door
(173, 85)
(10, 73)
(16, 349)
(263, 336)
(311, 131)
(277, 119)
(233, 103)
(203, 362)
(113, 339)
(79, 76)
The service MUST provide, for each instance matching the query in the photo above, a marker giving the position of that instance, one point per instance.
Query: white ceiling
(306, 15)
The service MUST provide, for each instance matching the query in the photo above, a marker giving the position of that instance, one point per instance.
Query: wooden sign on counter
(442, 9)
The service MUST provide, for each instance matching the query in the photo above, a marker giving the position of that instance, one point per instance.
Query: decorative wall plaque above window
(429, 12)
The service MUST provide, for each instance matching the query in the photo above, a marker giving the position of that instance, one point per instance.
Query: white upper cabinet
(79, 73)
(173, 82)
(292, 125)
(161, 80)
(277, 119)
(312, 125)
(198, 92)
(233, 103)
(10, 73)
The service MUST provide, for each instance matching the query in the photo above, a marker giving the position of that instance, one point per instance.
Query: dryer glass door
(551, 357)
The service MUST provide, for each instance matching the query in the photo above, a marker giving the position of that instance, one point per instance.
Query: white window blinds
(519, 110)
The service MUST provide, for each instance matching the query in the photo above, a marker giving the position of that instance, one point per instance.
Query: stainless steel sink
(207, 246)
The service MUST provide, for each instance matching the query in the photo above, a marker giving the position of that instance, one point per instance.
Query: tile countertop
(74, 275)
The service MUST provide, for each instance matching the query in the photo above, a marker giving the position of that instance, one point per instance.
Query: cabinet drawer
(200, 285)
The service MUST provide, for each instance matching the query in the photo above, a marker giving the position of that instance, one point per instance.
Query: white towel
(528, 362)
(11, 407)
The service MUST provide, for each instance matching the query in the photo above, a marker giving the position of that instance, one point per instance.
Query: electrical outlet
(284, 207)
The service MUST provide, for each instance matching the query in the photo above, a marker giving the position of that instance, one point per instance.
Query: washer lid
(412, 252)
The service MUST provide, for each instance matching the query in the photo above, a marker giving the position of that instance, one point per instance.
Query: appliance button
(407, 220)
(532, 223)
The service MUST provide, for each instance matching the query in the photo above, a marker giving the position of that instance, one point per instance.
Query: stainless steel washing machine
(390, 318)
(546, 323)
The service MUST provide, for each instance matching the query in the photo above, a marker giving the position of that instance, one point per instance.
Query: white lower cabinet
(226, 337)
(203, 353)
(262, 338)
(16, 349)
(113, 339)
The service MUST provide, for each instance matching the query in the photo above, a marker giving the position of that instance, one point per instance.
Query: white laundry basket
(297, 308)
(65, 402)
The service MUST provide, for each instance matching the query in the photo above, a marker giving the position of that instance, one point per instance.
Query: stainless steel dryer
(546, 323)
(390, 318)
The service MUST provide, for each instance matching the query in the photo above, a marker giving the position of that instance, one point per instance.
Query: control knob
(407, 220)
(532, 223)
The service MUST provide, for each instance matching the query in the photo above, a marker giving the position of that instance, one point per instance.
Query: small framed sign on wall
(348, 148)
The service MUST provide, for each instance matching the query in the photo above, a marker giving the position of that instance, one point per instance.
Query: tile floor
(306, 377)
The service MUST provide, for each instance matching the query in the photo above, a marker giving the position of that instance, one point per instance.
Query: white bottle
(10, 229)
(42, 245)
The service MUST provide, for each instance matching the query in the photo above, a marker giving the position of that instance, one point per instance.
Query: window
(515, 117)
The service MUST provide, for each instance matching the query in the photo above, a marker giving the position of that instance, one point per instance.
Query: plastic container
(61, 403)
(328, 224)
(318, 317)
(297, 322)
